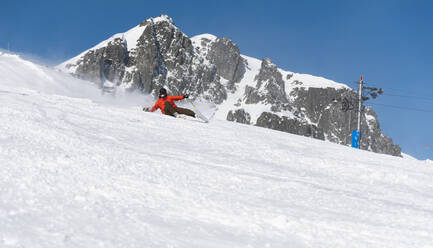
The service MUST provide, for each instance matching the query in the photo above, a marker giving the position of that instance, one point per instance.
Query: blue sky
(388, 42)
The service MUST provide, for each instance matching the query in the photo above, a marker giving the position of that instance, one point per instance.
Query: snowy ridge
(306, 80)
(292, 81)
(296, 80)
(78, 172)
(131, 37)
(253, 65)
(73, 61)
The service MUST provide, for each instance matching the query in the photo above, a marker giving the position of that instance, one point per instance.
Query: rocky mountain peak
(158, 54)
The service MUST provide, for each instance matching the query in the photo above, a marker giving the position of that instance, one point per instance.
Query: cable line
(408, 96)
(397, 89)
(401, 107)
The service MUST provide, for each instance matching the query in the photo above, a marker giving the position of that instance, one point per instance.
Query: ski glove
(185, 96)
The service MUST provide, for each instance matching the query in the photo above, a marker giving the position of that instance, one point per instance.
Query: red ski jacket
(160, 104)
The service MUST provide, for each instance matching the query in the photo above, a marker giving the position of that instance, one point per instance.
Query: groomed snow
(79, 172)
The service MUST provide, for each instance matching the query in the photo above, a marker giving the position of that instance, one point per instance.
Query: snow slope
(78, 171)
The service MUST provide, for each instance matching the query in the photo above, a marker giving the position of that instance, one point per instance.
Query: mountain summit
(157, 54)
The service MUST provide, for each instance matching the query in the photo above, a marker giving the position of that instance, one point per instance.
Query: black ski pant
(170, 110)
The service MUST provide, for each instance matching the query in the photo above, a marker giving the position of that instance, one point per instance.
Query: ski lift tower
(348, 103)
(370, 92)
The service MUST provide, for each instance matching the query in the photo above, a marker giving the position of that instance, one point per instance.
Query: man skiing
(167, 106)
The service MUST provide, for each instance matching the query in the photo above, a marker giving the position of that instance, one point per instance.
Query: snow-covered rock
(157, 54)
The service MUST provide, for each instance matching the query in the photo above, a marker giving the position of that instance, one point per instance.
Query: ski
(198, 113)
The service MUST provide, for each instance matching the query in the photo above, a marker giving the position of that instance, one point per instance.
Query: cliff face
(157, 54)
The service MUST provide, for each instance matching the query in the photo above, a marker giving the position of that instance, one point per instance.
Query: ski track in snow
(81, 172)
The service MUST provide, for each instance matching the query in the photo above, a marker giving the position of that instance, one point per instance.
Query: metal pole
(361, 82)
(350, 119)
(360, 103)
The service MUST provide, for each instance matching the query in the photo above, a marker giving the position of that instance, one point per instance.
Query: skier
(167, 106)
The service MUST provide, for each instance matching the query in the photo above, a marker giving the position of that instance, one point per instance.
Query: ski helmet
(162, 93)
